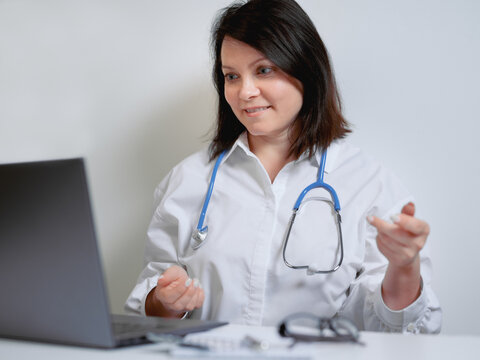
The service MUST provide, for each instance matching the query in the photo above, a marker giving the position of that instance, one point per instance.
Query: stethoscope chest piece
(199, 237)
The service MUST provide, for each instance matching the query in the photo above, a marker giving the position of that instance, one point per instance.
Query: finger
(397, 238)
(386, 242)
(403, 227)
(174, 290)
(411, 224)
(381, 225)
(399, 255)
(409, 209)
(193, 302)
(393, 248)
(201, 298)
(181, 303)
(173, 273)
(386, 249)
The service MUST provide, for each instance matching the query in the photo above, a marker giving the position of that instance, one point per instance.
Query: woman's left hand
(401, 240)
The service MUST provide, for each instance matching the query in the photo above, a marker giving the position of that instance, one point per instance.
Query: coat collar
(332, 152)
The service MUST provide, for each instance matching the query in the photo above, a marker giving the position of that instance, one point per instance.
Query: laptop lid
(52, 286)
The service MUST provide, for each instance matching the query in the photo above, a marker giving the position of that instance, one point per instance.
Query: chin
(257, 132)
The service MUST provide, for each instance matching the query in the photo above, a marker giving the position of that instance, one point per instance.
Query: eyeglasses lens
(307, 327)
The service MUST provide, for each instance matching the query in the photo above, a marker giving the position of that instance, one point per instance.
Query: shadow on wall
(174, 132)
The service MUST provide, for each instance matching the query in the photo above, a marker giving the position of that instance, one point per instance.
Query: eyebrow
(249, 65)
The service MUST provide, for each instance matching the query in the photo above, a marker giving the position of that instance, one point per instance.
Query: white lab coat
(240, 266)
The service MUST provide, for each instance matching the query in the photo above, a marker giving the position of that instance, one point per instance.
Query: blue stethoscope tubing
(319, 184)
(200, 232)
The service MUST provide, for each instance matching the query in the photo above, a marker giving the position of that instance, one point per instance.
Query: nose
(248, 89)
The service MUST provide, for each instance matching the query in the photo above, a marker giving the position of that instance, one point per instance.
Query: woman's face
(264, 98)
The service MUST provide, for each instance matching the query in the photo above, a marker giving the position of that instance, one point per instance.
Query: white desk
(377, 346)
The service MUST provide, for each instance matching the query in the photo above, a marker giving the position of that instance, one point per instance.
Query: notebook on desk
(51, 279)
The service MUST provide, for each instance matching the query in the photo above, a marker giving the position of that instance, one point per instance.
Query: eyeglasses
(311, 328)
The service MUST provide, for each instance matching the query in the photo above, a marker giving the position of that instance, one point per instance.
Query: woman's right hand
(175, 294)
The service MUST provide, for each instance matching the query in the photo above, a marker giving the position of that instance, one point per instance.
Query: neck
(273, 153)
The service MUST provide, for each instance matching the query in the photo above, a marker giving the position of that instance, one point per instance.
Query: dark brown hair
(284, 33)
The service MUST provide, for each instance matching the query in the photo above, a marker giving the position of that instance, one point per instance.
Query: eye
(231, 77)
(265, 70)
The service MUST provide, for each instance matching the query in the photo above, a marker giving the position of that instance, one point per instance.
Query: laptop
(51, 280)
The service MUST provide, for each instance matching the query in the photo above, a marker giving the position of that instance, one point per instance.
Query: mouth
(254, 110)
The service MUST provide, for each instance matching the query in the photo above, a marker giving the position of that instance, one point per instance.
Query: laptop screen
(50, 271)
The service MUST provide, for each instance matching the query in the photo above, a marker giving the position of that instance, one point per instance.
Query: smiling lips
(253, 111)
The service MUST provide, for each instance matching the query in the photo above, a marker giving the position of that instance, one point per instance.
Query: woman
(278, 113)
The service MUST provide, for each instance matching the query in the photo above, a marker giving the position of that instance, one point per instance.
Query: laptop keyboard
(125, 328)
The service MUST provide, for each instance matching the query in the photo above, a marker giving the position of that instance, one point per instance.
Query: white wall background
(126, 84)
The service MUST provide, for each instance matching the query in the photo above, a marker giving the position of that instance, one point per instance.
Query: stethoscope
(199, 234)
